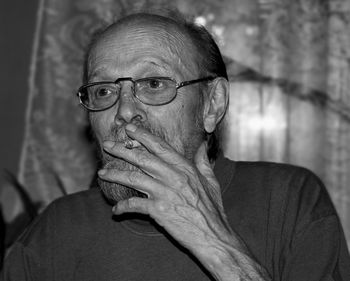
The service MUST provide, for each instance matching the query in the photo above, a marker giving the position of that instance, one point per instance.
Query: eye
(155, 84)
(103, 92)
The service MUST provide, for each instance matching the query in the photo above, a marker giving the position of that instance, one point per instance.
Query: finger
(134, 179)
(203, 165)
(133, 205)
(141, 158)
(154, 144)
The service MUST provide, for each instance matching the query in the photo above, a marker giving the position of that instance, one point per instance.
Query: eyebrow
(100, 72)
(155, 63)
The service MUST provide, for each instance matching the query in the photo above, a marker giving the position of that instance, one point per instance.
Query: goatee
(182, 143)
(114, 191)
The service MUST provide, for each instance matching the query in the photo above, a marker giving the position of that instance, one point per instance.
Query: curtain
(288, 63)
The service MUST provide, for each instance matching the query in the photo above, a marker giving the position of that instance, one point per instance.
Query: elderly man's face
(142, 50)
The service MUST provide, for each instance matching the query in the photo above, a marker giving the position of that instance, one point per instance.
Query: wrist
(231, 262)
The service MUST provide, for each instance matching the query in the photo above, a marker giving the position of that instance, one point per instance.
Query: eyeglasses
(102, 95)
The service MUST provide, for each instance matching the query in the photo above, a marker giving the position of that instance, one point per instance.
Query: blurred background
(288, 62)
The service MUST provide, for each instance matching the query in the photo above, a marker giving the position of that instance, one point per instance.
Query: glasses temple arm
(185, 83)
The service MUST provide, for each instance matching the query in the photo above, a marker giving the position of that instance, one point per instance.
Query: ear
(216, 104)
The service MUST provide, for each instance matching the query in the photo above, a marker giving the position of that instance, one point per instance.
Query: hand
(183, 197)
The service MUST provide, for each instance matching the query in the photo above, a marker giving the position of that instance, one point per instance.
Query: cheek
(191, 114)
(100, 124)
(178, 119)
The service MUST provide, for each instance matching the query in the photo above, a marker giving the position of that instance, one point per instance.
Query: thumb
(203, 165)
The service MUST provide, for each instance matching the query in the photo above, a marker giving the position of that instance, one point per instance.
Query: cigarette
(131, 144)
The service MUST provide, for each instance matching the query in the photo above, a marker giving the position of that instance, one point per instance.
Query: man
(156, 90)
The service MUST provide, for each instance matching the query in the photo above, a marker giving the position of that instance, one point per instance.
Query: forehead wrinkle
(172, 41)
(181, 52)
(168, 39)
(102, 71)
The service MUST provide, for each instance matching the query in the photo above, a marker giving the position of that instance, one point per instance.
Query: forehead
(157, 43)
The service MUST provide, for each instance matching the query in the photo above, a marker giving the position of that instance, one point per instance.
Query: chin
(115, 192)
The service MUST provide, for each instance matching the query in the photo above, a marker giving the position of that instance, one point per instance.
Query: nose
(128, 109)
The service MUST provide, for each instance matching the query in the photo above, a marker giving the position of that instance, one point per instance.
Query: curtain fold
(289, 66)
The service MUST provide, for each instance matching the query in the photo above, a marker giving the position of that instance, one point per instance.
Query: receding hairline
(206, 54)
(175, 28)
(147, 20)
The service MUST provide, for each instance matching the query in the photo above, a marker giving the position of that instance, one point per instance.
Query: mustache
(118, 133)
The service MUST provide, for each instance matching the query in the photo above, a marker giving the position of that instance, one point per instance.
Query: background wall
(17, 23)
(295, 105)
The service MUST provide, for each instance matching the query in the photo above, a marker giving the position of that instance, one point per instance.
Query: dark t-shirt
(282, 213)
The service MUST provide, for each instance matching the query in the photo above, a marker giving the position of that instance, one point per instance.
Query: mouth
(110, 161)
(130, 144)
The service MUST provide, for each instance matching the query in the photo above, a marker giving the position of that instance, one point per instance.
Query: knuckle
(186, 189)
(161, 206)
(182, 181)
(132, 177)
(142, 159)
(161, 147)
(110, 175)
(132, 203)
(191, 170)
(145, 135)
(191, 195)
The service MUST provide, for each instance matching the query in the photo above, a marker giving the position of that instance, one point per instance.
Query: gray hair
(209, 59)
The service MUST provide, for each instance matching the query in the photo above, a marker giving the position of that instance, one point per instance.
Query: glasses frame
(122, 79)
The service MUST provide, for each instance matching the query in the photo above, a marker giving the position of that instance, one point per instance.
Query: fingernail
(131, 127)
(114, 209)
(108, 144)
(131, 144)
(102, 172)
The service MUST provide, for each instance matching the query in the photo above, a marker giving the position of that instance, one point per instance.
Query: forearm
(231, 261)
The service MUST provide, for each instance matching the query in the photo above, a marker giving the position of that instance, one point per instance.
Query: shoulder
(82, 204)
(284, 187)
(66, 228)
(267, 176)
(263, 176)
(69, 214)
(80, 201)
(272, 171)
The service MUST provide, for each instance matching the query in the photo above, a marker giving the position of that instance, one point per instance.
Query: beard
(115, 192)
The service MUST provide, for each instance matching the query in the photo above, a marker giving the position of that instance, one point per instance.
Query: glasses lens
(155, 90)
(99, 96)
